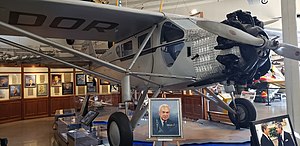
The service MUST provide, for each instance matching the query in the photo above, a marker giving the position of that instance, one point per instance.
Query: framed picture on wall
(42, 89)
(165, 117)
(30, 81)
(2, 93)
(14, 91)
(90, 87)
(56, 80)
(80, 80)
(4, 81)
(67, 88)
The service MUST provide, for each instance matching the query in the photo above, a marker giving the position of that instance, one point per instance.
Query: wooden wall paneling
(61, 103)
(42, 107)
(4, 110)
(15, 110)
(30, 108)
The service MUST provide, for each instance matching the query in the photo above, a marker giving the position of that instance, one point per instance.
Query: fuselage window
(169, 33)
(118, 50)
(141, 39)
(126, 48)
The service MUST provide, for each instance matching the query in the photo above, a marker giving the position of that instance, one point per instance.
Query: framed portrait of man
(67, 88)
(56, 79)
(30, 81)
(274, 131)
(4, 81)
(165, 118)
(80, 80)
(90, 87)
(42, 90)
(14, 91)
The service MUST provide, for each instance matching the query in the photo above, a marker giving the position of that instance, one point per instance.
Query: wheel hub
(114, 134)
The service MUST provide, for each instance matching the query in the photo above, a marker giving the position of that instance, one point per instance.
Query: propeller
(230, 32)
(235, 34)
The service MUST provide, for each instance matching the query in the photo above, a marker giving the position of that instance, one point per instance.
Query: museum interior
(149, 72)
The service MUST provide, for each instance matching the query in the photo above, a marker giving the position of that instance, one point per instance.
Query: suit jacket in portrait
(288, 141)
(266, 141)
(170, 127)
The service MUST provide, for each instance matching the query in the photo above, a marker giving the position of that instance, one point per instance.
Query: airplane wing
(76, 19)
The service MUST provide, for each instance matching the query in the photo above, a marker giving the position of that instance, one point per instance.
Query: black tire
(245, 110)
(123, 135)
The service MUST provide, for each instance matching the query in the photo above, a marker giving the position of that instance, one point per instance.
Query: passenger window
(142, 38)
(126, 48)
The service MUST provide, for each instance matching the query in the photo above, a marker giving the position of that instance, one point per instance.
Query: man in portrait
(30, 83)
(56, 80)
(164, 124)
(265, 138)
(284, 138)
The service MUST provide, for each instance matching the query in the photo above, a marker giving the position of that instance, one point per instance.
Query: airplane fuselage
(189, 52)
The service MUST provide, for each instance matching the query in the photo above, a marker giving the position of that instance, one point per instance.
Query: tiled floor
(38, 132)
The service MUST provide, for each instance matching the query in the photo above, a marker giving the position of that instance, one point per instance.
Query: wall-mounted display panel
(35, 83)
(7, 79)
(62, 83)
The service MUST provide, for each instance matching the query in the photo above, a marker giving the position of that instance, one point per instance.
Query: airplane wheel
(119, 130)
(245, 110)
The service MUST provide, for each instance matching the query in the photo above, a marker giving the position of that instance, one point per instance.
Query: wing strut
(58, 60)
(59, 46)
(214, 98)
(141, 110)
(142, 47)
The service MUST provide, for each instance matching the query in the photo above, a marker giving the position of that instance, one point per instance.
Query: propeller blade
(230, 32)
(288, 51)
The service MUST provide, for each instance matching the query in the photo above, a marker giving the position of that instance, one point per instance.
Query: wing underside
(76, 19)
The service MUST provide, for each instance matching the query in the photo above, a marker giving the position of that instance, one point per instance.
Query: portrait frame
(90, 88)
(42, 90)
(56, 80)
(27, 81)
(4, 82)
(67, 88)
(80, 80)
(256, 130)
(15, 91)
(173, 128)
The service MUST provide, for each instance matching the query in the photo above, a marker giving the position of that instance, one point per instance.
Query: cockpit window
(170, 32)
